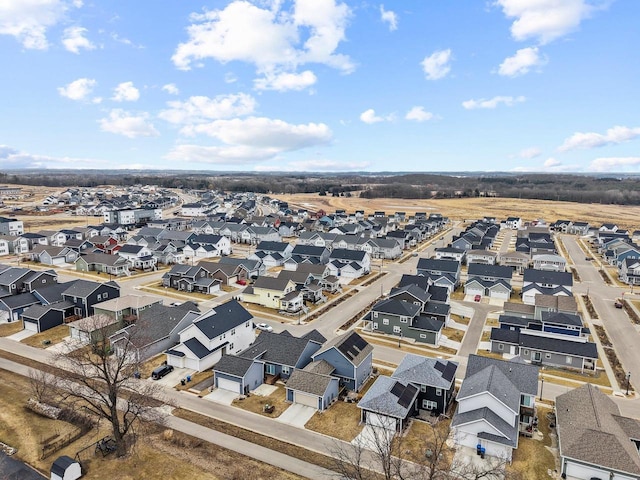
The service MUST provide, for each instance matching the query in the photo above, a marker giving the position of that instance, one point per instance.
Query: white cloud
(492, 102)
(265, 133)
(230, 78)
(125, 41)
(418, 114)
(436, 65)
(551, 162)
(171, 89)
(531, 152)
(79, 89)
(369, 116)
(130, 125)
(125, 92)
(522, 62)
(286, 81)
(201, 109)
(220, 154)
(315, 165)
(615, 135)
(13, 158)
(274, 39)
(545, 20)
(549, 165)
(28, 20)
(74, 39)
(615, 164)
(389, 17)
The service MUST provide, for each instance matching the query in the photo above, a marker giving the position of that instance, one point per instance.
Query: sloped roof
(233, 365)
(421, 370)
(397, 307)
(309, 382)
(591, 429)
(222, 318)
(510, 432)
(280, 348)
(351, 345)
(389, 396)
(524, 376)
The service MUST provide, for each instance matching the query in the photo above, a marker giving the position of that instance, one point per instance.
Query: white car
(264, 327)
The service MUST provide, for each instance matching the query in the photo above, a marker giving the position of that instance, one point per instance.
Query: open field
(472, 208)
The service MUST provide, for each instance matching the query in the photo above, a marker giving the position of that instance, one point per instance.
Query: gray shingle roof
(590, 429)
(278, 348)
(380, 399)
(547, 277)
(510, 432)
(233, 365)
(309, 382)
(397, 307)
(482, 270)
(159, 320)
(351, 345)
(427, 324)
(421, 370)
(523, 376)
(222, 318)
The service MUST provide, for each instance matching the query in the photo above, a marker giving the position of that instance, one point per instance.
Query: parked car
(161, 371)
(241, 282)
(264, 327)
(618, 303)
(477, 298)
(588, 258)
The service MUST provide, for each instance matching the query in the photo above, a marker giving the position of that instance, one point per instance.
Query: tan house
(276, 293)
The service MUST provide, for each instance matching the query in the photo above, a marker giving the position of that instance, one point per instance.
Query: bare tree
(42, 386)
(385, 454)
(104, 382)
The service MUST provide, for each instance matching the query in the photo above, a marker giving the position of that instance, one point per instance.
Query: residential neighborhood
(395, 320)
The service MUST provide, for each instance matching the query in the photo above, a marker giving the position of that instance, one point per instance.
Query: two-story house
(536, 282)
(403, 319)
(493, 281)
(276, 293)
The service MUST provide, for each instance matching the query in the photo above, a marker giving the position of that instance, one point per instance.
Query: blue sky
(321, 85)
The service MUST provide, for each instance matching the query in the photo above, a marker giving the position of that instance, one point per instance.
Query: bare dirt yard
(472, 208)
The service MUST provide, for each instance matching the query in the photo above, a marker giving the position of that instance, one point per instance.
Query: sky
(321, 85)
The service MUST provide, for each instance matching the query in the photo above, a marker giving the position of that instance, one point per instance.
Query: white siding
(487, 400)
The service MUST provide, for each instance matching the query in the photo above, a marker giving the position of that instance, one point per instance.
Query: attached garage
(31, 325)
(79, 335)
(234, 386)
(306, 399)
(378, 420)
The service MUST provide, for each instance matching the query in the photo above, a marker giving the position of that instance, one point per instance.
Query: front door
(537, 357)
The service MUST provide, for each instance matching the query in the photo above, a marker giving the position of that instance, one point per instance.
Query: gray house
(238, 374)
(388, 403)
(397, 317)
(313, 386)
(351, 357)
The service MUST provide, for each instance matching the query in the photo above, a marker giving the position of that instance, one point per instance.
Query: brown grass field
(473, 208)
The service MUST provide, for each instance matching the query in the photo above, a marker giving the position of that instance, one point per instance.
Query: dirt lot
(473, 208)
(163, 454)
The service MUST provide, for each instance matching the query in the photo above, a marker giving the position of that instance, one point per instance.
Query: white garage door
(192, 363)
(31, 326)
(78, 334)
(306, 399)
(381, 421)
(231, 385)
(58, 260)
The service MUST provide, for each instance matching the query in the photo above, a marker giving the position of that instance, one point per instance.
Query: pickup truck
(618, 303)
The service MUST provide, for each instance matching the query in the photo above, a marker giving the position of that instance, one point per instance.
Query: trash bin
(182, 382)
(136, 375)
(188, 378)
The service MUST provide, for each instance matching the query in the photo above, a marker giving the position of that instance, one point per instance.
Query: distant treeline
(623, 190)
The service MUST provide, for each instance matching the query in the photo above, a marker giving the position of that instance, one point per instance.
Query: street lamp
(628, 378)
(541, 385)
(400, 340)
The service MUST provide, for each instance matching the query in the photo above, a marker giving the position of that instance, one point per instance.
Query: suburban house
(313, 385)
(225, 329)
(84, 294)
(351, 357)
(495, 402)
(389, 403)
(594, 439)
(537, 282)
(629, 271)
(138, 256)
(238, 374)
(12, 307)
(493, 281)
(282, 353)
(191, 279)
(53, 255)
(93, 329)
(349, 263)
(519, 261)
(127, 306)
(403, 319)
(206, 246)
(553, 263)
(254, 268)
(451, 253)
(433, 267)
(487, 257)
(156, 329)
(434, 378)
(272, 254)
(103, 263)
(278, 293)
(306, 254)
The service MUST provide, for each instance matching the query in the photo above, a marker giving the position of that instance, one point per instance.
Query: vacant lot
(472, 208)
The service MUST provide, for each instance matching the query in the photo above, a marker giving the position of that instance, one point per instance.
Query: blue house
(237, 374)
(313, 386)
(351, 357)
(282, 353)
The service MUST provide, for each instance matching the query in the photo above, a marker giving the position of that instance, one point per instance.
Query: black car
(161, 371)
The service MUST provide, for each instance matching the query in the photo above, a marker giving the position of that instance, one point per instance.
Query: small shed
(65, 468)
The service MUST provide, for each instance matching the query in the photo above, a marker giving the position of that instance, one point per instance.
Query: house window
(397, 329)
(547, 356)
(423, 335)
(375, 314)
(429, 405)
(105, 294)
(526, 352)
(233, 331)
(568, 360)
(375, 325)
(231, 347)
(247, 324)
(500, 346)
(385, 321)
(285, 370)
(44, 281)
(423, 388)
(403, 319)
(438, 392)
(270, 369)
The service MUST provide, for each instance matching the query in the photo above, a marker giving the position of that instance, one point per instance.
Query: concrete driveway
(67, 345)
(22, 334)
(222, 396)
(373, 438)
(297, 415)
(173, 379)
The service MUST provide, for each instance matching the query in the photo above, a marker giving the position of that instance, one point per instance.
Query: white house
(225, 329)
